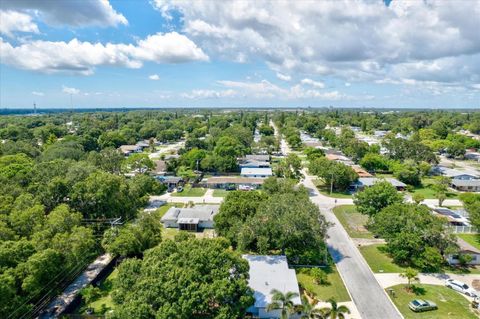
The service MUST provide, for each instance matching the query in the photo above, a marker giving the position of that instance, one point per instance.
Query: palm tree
(335, 311)
(284, 302)
(310, 312)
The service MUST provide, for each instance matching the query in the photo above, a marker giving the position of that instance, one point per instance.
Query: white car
(461, 287)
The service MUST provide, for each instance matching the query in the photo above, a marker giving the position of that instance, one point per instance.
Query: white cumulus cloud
(154, 77)
(313, 83)
(13, 21)
(70, 90)
(69, 12)
(38, 93)
(283, 77)
(82, 57)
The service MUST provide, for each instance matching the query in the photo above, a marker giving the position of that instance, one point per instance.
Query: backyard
(353, 222)
(451, 305)
(428, 191)
(334, 289)
(472, 239)
(104, 303)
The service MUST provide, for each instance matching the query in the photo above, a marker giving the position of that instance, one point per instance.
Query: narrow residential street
(368, 296)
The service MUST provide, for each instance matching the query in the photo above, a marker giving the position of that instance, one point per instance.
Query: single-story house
(143, 144)
(258, 157)
(363, 182)
(267, 273)
(466, 185)
(453, 218)
(191, 219)
(456, 173)
(475, 156)
(465, 249)
(129, 149)
(339, 158)
(232, 182)
(249, 163)
(261, 172)
(361, 172)
(171, 181)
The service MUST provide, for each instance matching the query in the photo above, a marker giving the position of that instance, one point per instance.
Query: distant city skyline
(169, 53)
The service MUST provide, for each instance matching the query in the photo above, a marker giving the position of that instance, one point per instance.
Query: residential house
(233, 182)
(339, 158)
(129, 149)
(363, 182)
(250, 163)
(261, 172)
(267, 273)
(466, 185)
(171, 181)
(361, 172)
(453, 218)
(191, 219)
(258, 157)
(456, 173)
(465, 249)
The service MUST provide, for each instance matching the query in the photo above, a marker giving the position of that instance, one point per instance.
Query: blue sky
(169, 53)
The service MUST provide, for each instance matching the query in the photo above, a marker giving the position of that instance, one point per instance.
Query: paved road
(369, 297)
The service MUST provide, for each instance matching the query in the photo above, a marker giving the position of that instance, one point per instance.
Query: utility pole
(331, 185)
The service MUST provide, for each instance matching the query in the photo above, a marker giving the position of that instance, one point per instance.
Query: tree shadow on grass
(419, 291)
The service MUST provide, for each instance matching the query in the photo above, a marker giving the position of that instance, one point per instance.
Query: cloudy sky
(168, 53)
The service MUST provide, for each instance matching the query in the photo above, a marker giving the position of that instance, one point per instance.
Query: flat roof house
(267, 273)
(191, 219)
(466, 185)
(363, 182)
(232, 182)
(259, 172)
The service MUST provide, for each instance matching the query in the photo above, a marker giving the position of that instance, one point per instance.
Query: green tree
(374, 162)
(418, 198)
(411, 275)
(138, 162)
(186, 279)
(339, 175)
(471, 202)
(335, 311)
(283, 302)
(373, 199)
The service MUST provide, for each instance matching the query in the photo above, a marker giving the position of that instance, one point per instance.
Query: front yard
(335, 289)
(427, 190)
(189, 191)
(378, 260)
(451, 305)
(353, 222)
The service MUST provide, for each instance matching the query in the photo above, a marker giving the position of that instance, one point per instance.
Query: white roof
(370, 181)
(262, 171)
(268, 273)
(200, 212)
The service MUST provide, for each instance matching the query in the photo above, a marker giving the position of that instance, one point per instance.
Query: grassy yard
(104, 303)
(189, 191)
(451, 305)
(428, 191)
(163, 209)
(353, 222)
(335, 289)
(472, 239)
(378, 260)
(219, 193)
(325, 190)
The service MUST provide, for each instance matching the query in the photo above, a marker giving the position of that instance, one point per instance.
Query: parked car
(420, 305)
(461, 287)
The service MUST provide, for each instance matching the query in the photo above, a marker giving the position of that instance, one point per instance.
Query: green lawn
(353, 222)
(189, 191)
(104, 303)
(163, 209)
(472, 239)
(451, 305)
(336, 289)
(428, 192)
(219, 193)
(378, 260)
